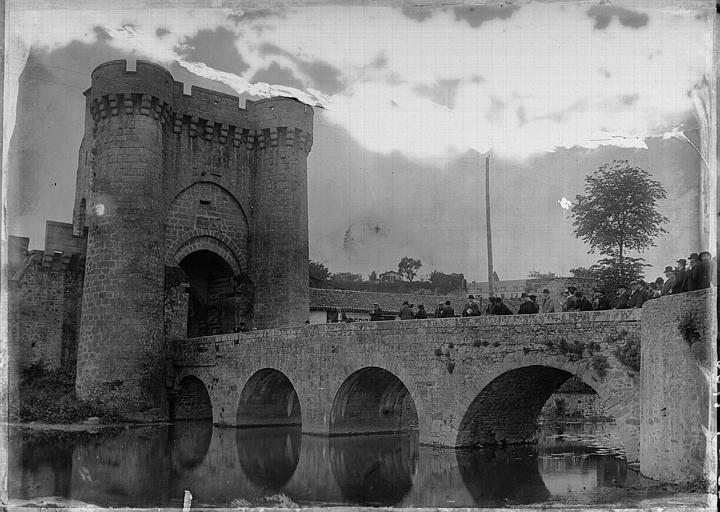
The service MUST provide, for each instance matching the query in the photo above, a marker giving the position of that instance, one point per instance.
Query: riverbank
(47, 396)
(682, 502)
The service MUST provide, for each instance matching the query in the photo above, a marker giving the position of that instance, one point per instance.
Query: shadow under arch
(189, 443)
(494, 477)
(191, 401)
(374, 470)
(372, 400)
(268, 399)
(269, 456)
(505, 411)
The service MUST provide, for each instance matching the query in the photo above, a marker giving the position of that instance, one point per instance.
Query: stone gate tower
(183, 193)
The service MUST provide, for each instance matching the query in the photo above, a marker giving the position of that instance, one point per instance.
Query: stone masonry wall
(443, 363)
(679, 355)
(206, 210)
(44, 310)
(574, 405)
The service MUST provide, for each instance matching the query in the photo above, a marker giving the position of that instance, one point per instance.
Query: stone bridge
(458, 381)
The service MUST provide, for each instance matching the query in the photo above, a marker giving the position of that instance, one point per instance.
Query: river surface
(152, 466)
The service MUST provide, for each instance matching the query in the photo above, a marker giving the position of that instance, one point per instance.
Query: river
(152, 466)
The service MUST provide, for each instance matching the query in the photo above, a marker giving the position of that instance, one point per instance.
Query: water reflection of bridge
(153, 466)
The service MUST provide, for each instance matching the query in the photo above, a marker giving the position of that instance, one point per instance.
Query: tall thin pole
(489, 230)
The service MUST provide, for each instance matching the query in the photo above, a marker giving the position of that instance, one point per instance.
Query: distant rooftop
(362, 301)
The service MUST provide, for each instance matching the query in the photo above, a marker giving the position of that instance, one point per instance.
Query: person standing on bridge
(377, 313)
(701, 271)
(406, 311)
(670, 280)
(472, 308)
(501, 308)
(600, 301)
(421, 313)
(623, 299)
(447, 310)
(571, 302)
(547, 305)
(583, 304)
(527, 307)
(639, 296)
(680, 276)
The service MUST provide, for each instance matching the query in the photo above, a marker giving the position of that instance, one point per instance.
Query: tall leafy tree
(408, 268)
(446, 283)
(318, 271)
(618, 214)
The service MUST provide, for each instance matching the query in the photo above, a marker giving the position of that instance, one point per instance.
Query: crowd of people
(684, 277)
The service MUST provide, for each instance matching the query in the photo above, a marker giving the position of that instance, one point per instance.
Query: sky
(408, 100)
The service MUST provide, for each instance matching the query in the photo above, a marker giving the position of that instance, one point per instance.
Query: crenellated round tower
(279, 248)
(121, 338)
(196, 215)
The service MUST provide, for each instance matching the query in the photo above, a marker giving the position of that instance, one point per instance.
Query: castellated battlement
(174, 184)
(151, 91)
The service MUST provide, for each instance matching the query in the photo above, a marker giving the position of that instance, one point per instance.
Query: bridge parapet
(207, 349)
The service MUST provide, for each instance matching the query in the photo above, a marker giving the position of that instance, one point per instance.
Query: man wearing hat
(639, 296)
(680, 284)
(701, 272)
(406, 312)
(527, 307)
(472, 308)
(376, 313)
(600, 301)
(692, 273)
(669, 283)
(448, 311)
(547, 305)
(623, 297)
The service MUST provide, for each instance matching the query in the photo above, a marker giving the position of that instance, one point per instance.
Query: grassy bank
(48, 395)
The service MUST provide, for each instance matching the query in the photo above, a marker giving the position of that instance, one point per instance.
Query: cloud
(441, 92)
(508, 87)
(479, 14)
(101, 34)
(214, 48)
(603, 15)
(275, 74)
(416, 13)
(323, 75)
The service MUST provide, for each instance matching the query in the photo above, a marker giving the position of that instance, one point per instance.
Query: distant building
(513, 288)
(390, 277)
(329, 305)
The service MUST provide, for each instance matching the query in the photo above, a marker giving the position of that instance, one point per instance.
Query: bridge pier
(678, 382)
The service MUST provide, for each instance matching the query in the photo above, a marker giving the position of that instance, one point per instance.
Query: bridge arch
(191, 400)
(268, 398)
(372, 399)
(503, 406)
(202, 240)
